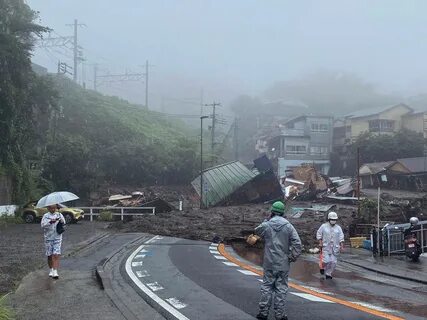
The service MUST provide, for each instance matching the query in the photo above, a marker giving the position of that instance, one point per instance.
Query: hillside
(96, 139)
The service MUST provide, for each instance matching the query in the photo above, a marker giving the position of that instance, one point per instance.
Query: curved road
(184, 279)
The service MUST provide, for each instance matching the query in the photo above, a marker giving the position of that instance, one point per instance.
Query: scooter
(412, 248)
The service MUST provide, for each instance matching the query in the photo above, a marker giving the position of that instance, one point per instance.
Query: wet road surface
(191, 280)
(355, 283)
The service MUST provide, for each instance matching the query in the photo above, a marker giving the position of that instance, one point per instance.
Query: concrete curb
(394, 275)
(86, 244)
(104, 280)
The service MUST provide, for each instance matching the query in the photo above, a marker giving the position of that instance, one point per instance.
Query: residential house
(382, 120)
(414, 165)
(405, 174)
(371, 174)
(303, 139)
(416, 121)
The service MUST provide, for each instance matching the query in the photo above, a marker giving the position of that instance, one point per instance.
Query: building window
(381, 125)
(319, 127)
(319, 150)
(296, 149)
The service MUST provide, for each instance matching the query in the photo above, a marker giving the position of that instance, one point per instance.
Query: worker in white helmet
(331, 242)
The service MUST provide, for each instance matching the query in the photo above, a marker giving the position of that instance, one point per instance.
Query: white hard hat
(414, 221)
(332, 216)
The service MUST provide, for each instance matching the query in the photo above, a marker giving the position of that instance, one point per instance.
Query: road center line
(229, 257)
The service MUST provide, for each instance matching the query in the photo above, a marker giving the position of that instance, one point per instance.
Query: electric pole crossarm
(54, 42)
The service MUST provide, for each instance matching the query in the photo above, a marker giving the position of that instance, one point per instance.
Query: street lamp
(201, 160)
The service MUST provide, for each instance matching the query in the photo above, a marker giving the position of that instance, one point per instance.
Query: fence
(119, 211)
(393, 238)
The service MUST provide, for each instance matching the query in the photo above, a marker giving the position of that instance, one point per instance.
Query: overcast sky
(229, 47)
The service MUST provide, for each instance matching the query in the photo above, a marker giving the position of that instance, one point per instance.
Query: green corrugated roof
(221, 181)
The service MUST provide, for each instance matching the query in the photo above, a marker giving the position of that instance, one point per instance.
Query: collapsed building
(402, 174)
(233, 183)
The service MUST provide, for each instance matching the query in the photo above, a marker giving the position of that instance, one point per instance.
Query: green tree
(380, 147)
(19, 89)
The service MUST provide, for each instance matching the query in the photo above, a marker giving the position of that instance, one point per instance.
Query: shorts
(53, 247)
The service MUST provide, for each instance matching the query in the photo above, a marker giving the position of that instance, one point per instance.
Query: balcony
(293, 132)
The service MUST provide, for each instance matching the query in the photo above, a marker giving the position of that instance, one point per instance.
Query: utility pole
(201, 102)
(76, 55)
(201, 160)
(358, 181)
(214, 120)
(75, 51)
(95, 71)
(146, 84)
(236, 138)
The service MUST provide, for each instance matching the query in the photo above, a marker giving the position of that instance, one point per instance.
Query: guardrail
(119, 211)
(393, 239)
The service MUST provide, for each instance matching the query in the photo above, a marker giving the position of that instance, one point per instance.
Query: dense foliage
(105, 140)
(56, 135)
(22, 95)
(378, 148)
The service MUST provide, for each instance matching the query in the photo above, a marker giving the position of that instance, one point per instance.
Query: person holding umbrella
(49, 224)
(52, 239)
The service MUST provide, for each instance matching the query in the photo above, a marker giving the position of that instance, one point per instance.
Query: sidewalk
(394, 266)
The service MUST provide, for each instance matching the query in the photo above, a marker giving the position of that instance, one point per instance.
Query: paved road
(186, 279)
(77, 294)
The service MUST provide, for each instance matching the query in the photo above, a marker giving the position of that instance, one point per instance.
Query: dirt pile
(170, 194)
(227, 223)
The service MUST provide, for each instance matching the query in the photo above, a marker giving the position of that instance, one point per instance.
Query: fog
(229, 48)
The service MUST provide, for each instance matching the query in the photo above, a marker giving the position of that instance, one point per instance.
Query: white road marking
(214, 245)
(213, 248)
(142, 274)
(159, 237)
(214, 251)
(176, 303)
(230, 264)
(247, 272)
(140, 256)
(310, 297)
(220, 258)
(174, 312)
(260, 280)
(137, 264)
(155, 286)
(143, 251)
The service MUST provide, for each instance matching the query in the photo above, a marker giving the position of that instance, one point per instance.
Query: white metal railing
(119, 211)
(394, 239)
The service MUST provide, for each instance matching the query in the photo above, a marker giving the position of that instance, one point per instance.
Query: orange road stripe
(223, 252)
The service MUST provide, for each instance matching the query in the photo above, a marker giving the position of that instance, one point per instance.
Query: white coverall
(331, 237)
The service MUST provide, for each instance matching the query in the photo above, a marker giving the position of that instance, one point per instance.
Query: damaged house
(402, 174)
(233, 184)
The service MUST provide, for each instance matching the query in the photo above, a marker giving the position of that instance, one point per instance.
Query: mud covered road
(22, 248)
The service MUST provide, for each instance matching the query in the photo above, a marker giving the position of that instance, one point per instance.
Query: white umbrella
(55, 198)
